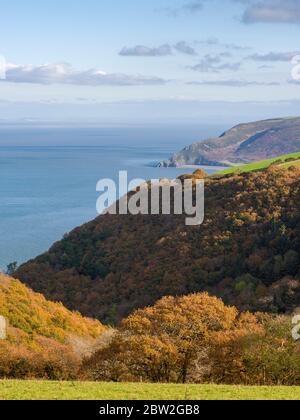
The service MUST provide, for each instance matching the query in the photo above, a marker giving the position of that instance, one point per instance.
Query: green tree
(11, 268)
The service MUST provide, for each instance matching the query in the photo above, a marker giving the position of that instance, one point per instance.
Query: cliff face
(244, 143)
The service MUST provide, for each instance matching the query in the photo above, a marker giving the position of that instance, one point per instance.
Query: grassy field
(263, 164)
(39, 390)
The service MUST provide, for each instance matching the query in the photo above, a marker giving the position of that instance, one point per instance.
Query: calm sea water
(48, 177)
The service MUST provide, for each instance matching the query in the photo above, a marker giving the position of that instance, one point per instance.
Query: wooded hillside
(246, 252)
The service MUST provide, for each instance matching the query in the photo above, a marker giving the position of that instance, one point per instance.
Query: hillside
(285, 161)
(243, 144)
(44, 339)
(246, 252)
(32, 315)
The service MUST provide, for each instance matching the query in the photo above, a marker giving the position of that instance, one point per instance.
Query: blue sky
(101, 59)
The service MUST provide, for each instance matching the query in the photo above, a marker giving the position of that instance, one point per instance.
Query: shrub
(52, 362)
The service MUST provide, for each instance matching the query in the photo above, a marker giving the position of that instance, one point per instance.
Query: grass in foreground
(42, 390)
(256, 166)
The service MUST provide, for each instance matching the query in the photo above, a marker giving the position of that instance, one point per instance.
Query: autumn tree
(169, 342)
(274, 357)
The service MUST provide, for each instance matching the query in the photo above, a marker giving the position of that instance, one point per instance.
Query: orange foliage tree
(173, 341)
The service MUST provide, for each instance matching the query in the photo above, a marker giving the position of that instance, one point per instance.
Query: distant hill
(43, 339)
(246, 252)
(244, 143)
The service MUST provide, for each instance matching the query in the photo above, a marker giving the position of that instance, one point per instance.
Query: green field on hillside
(40, 390)
(263, 164)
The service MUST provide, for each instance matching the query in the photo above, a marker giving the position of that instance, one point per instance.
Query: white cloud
(216, 64)
(193, 6)
(63, 73)
(274, 56)
(184, 48)
(189, 7)
(256, 11)
(143, 51)
(163, 50)
(215, 42)
(273, 11)
(232, 83)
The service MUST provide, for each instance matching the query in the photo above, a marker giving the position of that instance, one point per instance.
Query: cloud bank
(63, 73)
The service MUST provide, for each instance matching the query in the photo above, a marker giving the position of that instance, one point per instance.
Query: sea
(48, 176)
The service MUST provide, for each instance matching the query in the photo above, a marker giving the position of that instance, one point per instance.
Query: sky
(133, 61)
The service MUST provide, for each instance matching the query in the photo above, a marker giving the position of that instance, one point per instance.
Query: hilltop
(243, 144)
(285, 161)
(246, 252)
